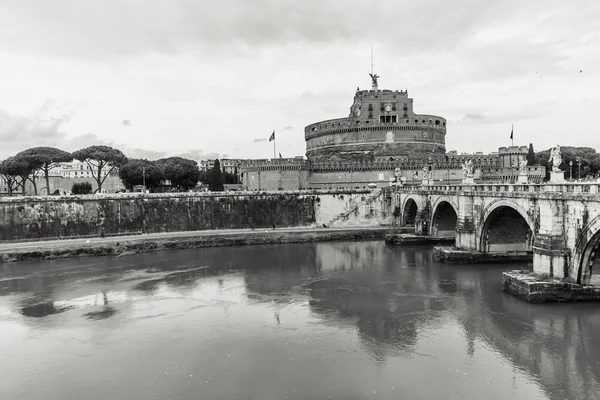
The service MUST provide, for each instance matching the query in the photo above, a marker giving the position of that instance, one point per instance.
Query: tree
(81, 188)
(99, 158)
(180, 171)
(531, 156)
(44, 159)
(215, 178)
(586, 162)
(15, 172)
(135, 170)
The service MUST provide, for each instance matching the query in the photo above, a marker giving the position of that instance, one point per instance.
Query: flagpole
(512, 130)
(274, 139)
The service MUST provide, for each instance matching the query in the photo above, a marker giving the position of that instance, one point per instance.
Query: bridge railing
(580, 187)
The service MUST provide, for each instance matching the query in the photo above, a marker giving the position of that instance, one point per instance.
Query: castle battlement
(513, 150)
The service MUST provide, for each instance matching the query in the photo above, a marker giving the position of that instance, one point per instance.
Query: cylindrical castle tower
(381, 126)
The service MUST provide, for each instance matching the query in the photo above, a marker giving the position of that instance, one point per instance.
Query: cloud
(42, 128)
(20, 131)
(123, 28)
(258, 140)
(288, 128)
(126, 122)
(144, 153)
(475, 117)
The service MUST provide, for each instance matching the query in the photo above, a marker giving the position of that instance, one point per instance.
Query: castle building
(382, 126)
(381, 141)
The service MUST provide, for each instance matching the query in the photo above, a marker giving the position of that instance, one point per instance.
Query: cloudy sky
(165, 77)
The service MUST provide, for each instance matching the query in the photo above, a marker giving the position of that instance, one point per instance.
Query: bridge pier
(466, 234)
(550, 252)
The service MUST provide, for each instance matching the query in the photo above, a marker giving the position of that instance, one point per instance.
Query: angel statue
(556, 158)
(470, 168)
(522, 165)
(374, 78)
(465, 169)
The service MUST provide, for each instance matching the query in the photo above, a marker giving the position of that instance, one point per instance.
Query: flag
(280, 155)
(272, 137)
(511, 132)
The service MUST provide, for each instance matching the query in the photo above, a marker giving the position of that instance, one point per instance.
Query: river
(339, 320)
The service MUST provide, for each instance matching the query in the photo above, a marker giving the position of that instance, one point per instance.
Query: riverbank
(122, 245)
(534, 288)
(452, 255)
(400, 239)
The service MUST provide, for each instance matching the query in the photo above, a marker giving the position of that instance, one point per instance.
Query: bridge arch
(410, 208)
(586, 254)
(506, 226)
(444, 217)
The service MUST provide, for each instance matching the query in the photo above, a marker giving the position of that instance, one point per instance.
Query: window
(388, 119)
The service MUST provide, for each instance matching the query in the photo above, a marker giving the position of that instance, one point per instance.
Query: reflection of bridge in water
(394, 298)
(558, 223)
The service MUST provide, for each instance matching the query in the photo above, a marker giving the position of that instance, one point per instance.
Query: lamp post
(578, 168)
(570, 170)
(144, 178)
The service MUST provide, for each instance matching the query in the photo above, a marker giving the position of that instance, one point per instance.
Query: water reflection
(344, 318)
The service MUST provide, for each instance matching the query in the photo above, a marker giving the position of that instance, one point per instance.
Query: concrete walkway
(95, 241)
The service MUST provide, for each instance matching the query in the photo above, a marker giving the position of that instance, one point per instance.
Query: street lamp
(571, 170)
(144, 178)
(578, 168)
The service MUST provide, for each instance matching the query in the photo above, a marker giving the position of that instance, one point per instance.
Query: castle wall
(274, 179)
(379, 141)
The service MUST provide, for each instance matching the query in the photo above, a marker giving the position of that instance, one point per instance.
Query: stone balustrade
(580, 187)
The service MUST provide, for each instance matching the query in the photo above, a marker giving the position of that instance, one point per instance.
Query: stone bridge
(559, 224)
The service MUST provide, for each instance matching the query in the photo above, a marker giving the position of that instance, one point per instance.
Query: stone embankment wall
(79, 216)
(361, 208)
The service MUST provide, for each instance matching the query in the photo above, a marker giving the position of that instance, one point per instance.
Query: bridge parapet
(575, 188)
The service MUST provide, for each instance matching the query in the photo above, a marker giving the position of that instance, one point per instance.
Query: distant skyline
(206, 80)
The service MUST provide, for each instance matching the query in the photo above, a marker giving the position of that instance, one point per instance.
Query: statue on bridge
(522, 165)
(467, 168)
(398, 176)
(556, 158)
(427, 173)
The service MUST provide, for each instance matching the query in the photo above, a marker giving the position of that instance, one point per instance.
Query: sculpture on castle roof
(556, 158)
(374, 78)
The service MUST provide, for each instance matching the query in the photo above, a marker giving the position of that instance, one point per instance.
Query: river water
(341, 320)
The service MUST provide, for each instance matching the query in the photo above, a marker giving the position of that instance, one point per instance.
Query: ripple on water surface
(346, 320)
